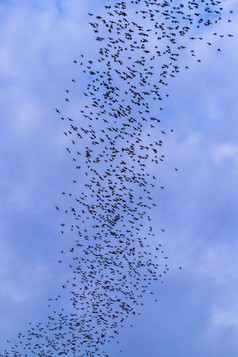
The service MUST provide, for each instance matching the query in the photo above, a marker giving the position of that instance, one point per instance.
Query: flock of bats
(115, 141)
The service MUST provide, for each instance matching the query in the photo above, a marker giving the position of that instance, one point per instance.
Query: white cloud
(224, 151)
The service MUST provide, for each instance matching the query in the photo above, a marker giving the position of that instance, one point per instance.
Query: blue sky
(197, 311)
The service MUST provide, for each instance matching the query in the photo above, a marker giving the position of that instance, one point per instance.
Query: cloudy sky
(197, 311)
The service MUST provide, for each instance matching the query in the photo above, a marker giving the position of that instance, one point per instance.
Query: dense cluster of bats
(114, 142)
